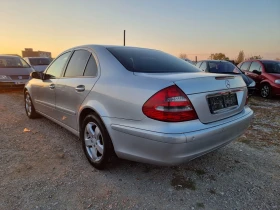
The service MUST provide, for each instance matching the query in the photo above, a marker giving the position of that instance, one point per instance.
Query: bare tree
(255, 57)
(218, 56)
(240, 57)
(183, 56)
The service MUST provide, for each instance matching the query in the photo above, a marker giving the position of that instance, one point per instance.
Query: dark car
(225, 67)
(14, 71)
(266, 74)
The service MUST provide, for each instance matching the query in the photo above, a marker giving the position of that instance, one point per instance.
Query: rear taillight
(169, 105)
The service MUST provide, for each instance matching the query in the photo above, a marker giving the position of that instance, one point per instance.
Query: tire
(97, 144)
(266, 91)
(29, 107)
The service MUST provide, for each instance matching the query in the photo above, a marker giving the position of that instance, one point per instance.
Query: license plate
(223, 102)
(19, 83)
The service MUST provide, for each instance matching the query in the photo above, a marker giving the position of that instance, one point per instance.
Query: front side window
(245, 66)
(255, 66)
(272, 67)
(91, 68)
(77, 63)
(57, 66)
(13, 62)
(150, 61)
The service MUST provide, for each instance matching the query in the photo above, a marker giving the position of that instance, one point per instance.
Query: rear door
(79, 78)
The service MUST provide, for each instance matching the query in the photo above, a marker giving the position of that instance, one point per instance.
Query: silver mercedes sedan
(139, 104)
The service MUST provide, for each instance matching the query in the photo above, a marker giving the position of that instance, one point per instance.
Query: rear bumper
(172, 149)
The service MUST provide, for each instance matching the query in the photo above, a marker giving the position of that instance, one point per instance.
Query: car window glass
(12, 62)
(255, 66)
(245, 66)
(91, 68)
(203, 66)
(198, 64)
(150, 61)
(272, 67)
(77, 63)
(57, 66)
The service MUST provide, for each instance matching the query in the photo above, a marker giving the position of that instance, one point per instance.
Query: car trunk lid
(214, 96)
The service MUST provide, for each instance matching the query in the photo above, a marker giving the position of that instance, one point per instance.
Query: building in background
(28, 52)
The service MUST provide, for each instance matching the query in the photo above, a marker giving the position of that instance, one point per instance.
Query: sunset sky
(194, 27)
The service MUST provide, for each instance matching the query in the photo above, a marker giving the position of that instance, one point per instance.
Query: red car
(266, 74)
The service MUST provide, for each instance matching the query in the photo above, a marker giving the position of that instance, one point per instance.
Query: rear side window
(203, 66)
(39, 61)
(57, 66)
(255, 66)
(150, 61)
(77, 63)
(245, 66)
(198, 64)
(91, 69)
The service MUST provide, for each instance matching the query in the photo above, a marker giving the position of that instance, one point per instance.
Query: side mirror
(36, 75)
(257, 72)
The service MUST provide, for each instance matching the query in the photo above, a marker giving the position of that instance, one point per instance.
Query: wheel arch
(88, 110)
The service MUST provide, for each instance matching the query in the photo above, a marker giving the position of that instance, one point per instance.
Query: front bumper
(173, 149)
(13, 83)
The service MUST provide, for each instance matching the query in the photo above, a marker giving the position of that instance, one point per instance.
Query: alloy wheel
(28, 104)
(93, 141)
(265, 91)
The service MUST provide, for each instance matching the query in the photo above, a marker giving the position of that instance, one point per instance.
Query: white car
(39, 64)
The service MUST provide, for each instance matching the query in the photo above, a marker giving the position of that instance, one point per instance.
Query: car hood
(15, 71)
(40, 68)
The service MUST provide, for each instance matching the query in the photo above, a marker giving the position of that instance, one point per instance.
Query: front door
(255, 72)
(71, 90)
(46, 88)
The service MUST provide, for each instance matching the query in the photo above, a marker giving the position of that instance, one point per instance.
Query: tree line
(221, 56)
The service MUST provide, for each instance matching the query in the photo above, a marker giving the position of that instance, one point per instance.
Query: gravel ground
(45, 168)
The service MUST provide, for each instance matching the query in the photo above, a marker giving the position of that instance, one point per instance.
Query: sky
(195, 27)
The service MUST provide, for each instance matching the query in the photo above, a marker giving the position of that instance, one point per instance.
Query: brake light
(169, 105)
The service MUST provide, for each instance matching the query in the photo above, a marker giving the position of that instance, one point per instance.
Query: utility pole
(124, 38)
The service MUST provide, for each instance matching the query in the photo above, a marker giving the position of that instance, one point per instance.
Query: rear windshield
(150, 61)
(12, 62)
(39, 61)
(223, 67)
(272, 66)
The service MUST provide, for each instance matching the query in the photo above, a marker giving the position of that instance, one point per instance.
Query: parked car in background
(266, 74)
(14, 71)
(140, 104)
(226, 67)
(38, 63)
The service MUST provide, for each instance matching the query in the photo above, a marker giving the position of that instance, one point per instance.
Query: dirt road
(45, 168)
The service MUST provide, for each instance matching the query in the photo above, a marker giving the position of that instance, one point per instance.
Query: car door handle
(80, 88)
(52, 86)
